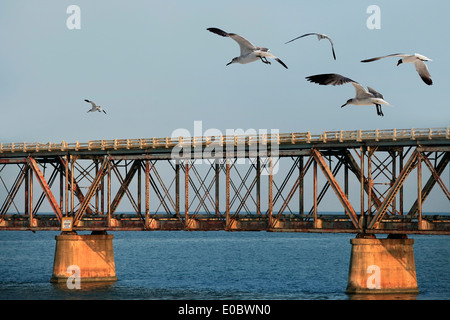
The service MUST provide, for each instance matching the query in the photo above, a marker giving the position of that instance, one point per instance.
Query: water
(213, 265)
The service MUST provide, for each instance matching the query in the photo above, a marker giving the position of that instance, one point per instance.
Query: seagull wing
(305, 35)
(324, 36)
(91, 102)
(281, 62)
(422, 69)
(379, 96)
(389, 55)
(375, 93)
(329, 79)
(360, 92)
(218, 31)
(245, 45)
(422, 57)
(332, 45)
(267, 54)
(320, 36)
(337, 80)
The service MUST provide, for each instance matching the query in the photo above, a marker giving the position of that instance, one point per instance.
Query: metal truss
(145, 191)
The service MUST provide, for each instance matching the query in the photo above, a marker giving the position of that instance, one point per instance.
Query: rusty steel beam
(45, 187)
(92, 190)
(301, 190)
(147, 193)
(433, 225)
(270, 191)
(435, 177)
(124, 184)
(237, 190)
(394, 189)
(10, 161)
(50, 182)
(227, 186)
(165, 189)
(76, 189)
(325, 188)
(315, 191)
(242, 184)
(186, 194)
(217, 187)
(298, 184)
(337, 189)
(419, 188)
(108, 193)
(177, 187)
(13, 191)
(203, 187)
(255, 183)
(282, 186)
(355, 168)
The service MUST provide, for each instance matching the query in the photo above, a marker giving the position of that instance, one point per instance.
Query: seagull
(320, 36)
(362, 97)
(418, 61)
(95, 107)
(249, 52)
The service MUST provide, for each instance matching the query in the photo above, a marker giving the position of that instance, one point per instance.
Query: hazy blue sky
(155, 68)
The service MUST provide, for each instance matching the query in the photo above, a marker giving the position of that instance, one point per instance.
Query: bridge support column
(382, 266)
(91, 255)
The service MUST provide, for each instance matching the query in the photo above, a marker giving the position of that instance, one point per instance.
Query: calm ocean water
(218, 265)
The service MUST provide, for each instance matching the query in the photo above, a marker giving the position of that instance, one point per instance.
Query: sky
(155, 69)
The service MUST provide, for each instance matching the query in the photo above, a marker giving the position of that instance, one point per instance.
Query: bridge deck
(381, 161)
(285, 141)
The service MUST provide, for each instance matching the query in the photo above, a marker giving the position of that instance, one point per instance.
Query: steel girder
(381, 173)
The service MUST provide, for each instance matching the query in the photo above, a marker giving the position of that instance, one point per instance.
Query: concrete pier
(92, 256)
(382, 266)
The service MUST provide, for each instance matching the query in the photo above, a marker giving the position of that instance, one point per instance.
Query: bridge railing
(281, 138)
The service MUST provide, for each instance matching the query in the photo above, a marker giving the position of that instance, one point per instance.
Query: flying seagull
(249, 52)
(320, 36)
(418, 61)
(94, 107)
(362, 97)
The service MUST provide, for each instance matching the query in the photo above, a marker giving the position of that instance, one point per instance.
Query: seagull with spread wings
(362, 97)
(418, 61)
(249, 52)
(95, 107)
(320, 36)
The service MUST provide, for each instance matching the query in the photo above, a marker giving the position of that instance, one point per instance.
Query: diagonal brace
(124, 186)
(45, 187)
(435, 177)
(337, 189)
(92, 189)
(394, 190)
(76, 188)
(357, 171)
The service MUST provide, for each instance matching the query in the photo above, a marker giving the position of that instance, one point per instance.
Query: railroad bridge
(262, 182)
